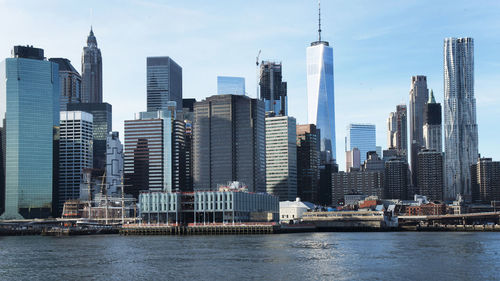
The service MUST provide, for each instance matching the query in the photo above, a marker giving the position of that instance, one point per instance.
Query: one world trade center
(320, 96)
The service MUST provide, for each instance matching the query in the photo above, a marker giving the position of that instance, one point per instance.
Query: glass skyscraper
(320, 95)
(230, 85)
(273, 89)
(460, 126)
(29, 101)
(164, 83)
(363, 137)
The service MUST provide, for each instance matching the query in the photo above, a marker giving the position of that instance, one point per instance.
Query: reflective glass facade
(230, 85)
(320, 96)
(164, 83)
(29, 100)
(361, 136)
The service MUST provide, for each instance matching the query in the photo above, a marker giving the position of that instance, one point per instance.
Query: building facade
(486, 180)
(281, 157)
(229, 142)
(70, 83)
(29, 102)
(102, 126)
(432, 125)
(114, 164)
(151, 158)
(320, 95)
(91, 71)
(397, 137)
(75, 153)
(460, 126)
(363, 137)
(227, 85)
(430, 174)
(164, 83)
(273, 89)
(352, 159)
(308, 161)
(419, 94)
(396, 179)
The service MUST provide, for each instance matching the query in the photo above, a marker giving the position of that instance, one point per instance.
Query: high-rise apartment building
(91, 71)
(272, 88)
(397, 137)
(308, 138)
(320, 94)
(362, 136)
(70, 82)
(460, 127)
(419, 94)
(152, 159)
(114, 164)
(102, 125)
(164, 83)
(75, 153)
(229, 142)
(29, 102)
(432, 125)
(485, 180)
(430, 174)
(227, 85)
(281, 157)
(396, 179)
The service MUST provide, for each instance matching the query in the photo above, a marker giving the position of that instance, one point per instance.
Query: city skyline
(359, 39)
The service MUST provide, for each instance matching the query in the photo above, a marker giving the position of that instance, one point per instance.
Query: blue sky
(378, 46)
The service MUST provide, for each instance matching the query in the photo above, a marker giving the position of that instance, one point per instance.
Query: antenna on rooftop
(319, 20)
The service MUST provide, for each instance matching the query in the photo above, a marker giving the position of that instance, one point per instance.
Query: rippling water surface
(307, 256)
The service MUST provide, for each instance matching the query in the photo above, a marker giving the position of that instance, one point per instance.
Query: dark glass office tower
(272, 88)
(102, 125)
(308, 160)
(164, 83)
(419, 94)
(229, 142)
(70, 82)
(91, 71)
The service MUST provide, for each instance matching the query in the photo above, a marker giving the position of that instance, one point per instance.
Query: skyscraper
(71, 82)
(227, 85)
(164, 83)
(273, 89)
(396, 179)
(320, 94)
(91, 71)
(352, 159)
(460, 127)
(486, 180)
(281, 157)
(397, 137)
(229, 142)
(29, 101)
(432, 125)
(151, 158)
(75, 153)
(363, 137)
(114, 164)
(308, 162)
(430, 174)
(419, 94)
(102, 126)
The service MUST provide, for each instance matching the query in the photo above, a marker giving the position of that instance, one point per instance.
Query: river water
(302, 256)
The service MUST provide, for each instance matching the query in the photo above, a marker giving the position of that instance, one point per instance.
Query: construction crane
(257, 78)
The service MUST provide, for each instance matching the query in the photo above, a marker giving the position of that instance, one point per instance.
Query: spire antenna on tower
(319, 20)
